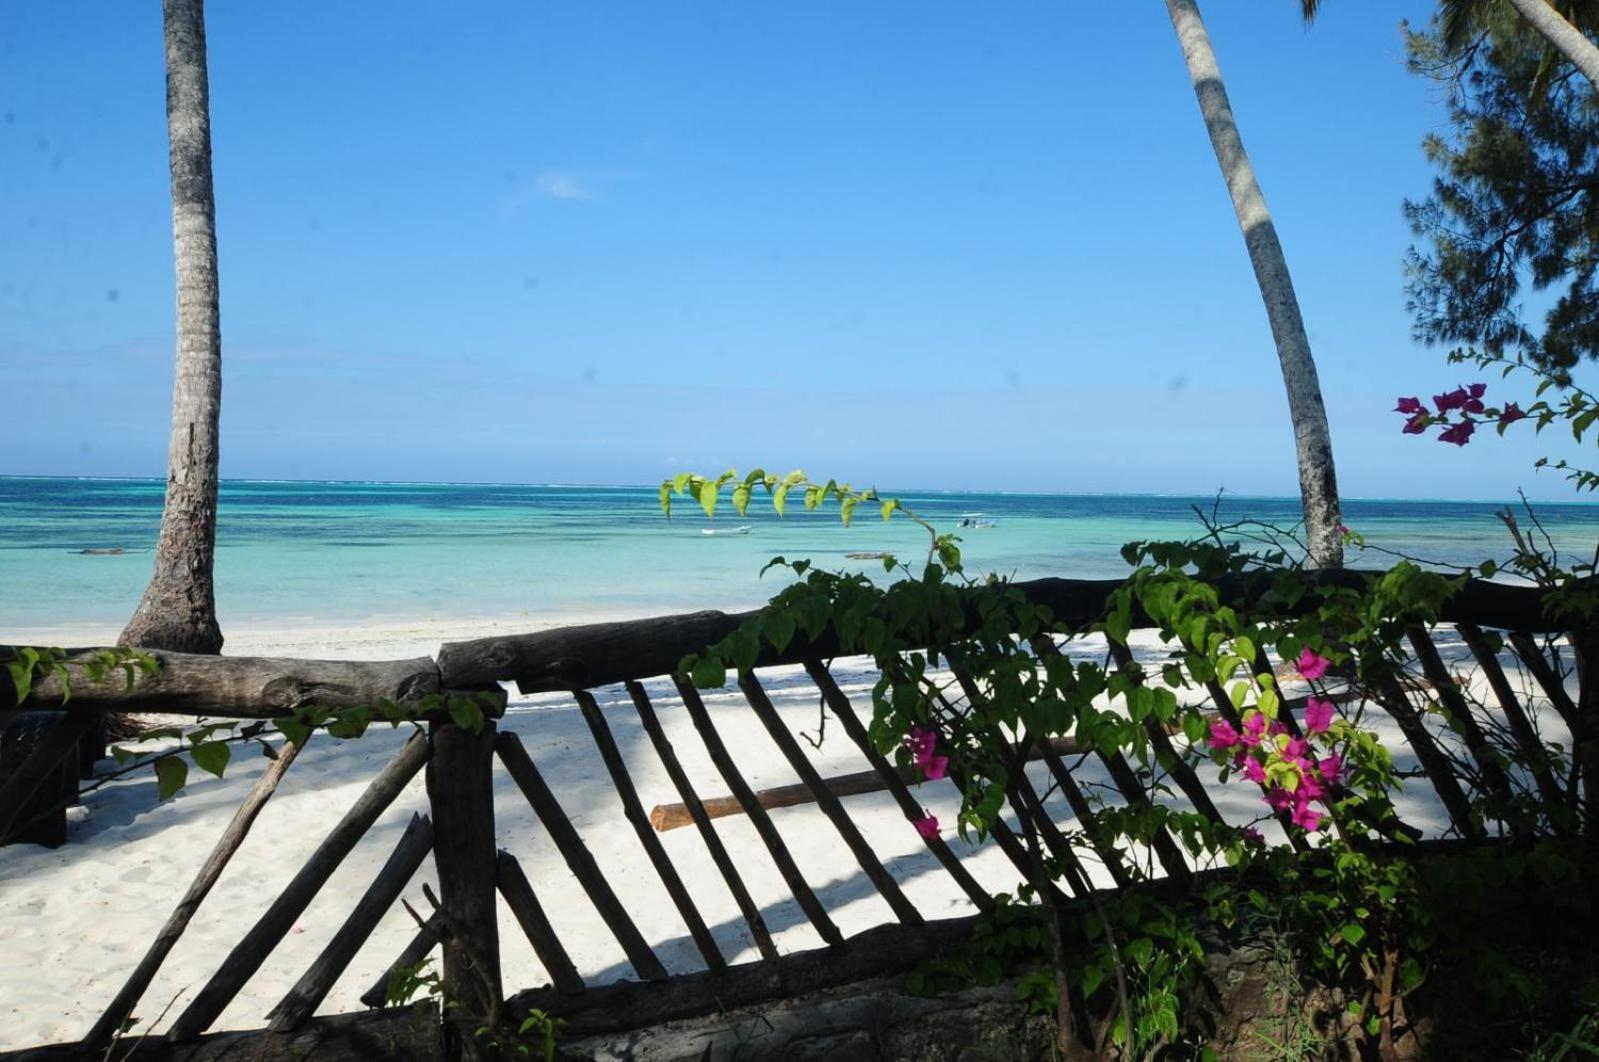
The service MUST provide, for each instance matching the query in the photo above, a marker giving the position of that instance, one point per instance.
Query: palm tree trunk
(178, 611)
(1567, 39)
(1318, 483)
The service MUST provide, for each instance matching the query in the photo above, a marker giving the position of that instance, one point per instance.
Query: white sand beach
(75, 920)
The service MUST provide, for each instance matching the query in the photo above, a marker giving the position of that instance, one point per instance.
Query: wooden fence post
(461, 792)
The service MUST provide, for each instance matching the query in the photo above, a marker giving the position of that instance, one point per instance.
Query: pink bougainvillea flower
(1343, 529)
(1459, 434)
(1417, 424)
(935, 767)
(922, 742)
(1310, 788)
(1254, 728)
(1252, 835)
(1305, 818)
(1455, 399)
(1254, 771)
(1477, 390)
(1410, 407)
(1278, 727)
(1223, 735)
(1318, 715)
(1311, 665)
(927, 826)
(1294, 751)
(1511, 414)
(1332, 769)
(1279, 798)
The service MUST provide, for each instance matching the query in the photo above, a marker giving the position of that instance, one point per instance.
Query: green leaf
(666, 499)
(709, 673)
(170, 774)
(708, 492)
(212, 756)
(294, 728)
(780, 496)
(1093, 977)
(741, 498)
(889, 507)
(1353, 933)
(1141, 950)
(779, 627)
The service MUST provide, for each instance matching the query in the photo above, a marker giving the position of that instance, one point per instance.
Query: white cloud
(560, 184)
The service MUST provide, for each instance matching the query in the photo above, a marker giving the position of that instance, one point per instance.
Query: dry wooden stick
(893, 780)
(641, 826)
(578, 858)
(758, 818)
(519, 897)
(313, 986)
(248, 955)
(697, 814)
(829, 804)
(426, 939)
(232, 837)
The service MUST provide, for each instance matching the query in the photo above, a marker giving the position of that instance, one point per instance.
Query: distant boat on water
(977, 520)
(743, 529)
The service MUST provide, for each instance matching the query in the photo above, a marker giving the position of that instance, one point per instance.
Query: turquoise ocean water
(340, 553)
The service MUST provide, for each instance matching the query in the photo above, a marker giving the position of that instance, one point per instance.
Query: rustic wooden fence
(473, 874)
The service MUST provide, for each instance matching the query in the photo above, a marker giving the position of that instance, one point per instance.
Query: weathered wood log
(602, 653)
(426, 939)
(1522, 732)
(882, 950)
(829, 804)
(702, 821)
(634, 810)
(666, 817)
(248, 955)
(399, 1034)
(1109, 855)
(237, 687)
(313, 986)
(40, 765)
(784, 861)
(893, 780)
(519, 897)
(578, 858)
(460, 787)
(232, 837)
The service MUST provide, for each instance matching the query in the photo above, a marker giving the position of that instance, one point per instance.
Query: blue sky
(933, 245)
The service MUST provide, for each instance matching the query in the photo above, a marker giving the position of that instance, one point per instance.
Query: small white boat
(743, 529)
(977, 520)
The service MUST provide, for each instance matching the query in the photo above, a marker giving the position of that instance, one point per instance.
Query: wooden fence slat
(1454, 702)
(829, 804)
(247, 956)
(105, 1028)
(578, 858)
(1165, 752)
(1577, 716)
(296, 1008)
(713, 843)
(893, 781)
(646, 835)
(1109, 855)
(1434, 763)
(59, 742)
(1522, 732)
(520, 898)
(1546, 677)
(786, 866)
(426, 939)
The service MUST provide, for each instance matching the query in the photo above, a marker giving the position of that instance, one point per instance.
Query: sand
(75, 920)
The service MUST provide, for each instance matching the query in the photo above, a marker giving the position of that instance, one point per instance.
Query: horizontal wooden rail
(598, 654)
(666, 817)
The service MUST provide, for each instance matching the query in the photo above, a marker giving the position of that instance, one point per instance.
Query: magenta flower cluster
(923, 744)
(1460, 411)
(1287, 768)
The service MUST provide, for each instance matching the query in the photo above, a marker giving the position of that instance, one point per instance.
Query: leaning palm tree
(1557, 24)
(1318, 482)
(178, 610)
